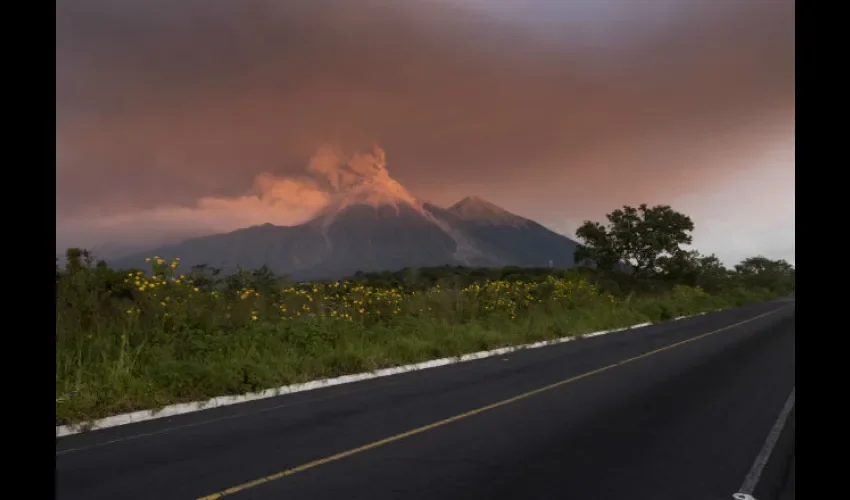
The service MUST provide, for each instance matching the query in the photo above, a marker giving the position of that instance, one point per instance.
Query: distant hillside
(368, 238)
(374, 224)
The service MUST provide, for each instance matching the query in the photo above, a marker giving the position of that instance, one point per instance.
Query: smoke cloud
(280, 200)
(202, 114)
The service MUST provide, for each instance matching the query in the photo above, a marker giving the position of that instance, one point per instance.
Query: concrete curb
(183, 408)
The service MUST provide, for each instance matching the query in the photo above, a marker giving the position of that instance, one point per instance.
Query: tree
(204, 276)
(754, 266)
(643, 237)
(694, 269)
(264, 280)
(774, 275)
(73, 260)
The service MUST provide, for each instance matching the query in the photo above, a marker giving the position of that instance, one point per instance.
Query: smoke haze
(201, 116)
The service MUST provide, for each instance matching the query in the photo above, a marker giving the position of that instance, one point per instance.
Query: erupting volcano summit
(372, 223)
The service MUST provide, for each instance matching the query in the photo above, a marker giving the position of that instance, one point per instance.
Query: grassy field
(131, 340)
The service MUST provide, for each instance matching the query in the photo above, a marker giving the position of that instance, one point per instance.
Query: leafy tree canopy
(646, 238)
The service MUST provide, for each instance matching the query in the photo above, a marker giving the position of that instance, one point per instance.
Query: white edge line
(183, 408)
(754, 474)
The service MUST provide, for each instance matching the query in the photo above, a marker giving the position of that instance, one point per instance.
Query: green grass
(125, 342)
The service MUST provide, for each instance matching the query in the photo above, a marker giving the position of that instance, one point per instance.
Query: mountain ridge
(373, 223)
(377, 237)
(481, 210)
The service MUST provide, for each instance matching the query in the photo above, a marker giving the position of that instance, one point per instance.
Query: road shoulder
(777, 482)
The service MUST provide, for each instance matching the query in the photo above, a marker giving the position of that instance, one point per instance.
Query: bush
(134, 339)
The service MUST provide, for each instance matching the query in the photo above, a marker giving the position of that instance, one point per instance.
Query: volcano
(374, 224)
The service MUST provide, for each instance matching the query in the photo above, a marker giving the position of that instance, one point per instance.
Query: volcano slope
(373, 223)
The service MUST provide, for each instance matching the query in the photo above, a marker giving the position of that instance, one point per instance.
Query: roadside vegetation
(136, 339)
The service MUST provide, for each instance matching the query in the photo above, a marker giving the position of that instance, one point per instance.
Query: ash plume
(332, 179)
(552, 109)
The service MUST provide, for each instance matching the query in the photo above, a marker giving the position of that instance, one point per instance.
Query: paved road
(685, 422)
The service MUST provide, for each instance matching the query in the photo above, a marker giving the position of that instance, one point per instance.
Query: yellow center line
(425, 428)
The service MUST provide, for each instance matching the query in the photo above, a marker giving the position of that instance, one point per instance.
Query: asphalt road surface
(676, 411)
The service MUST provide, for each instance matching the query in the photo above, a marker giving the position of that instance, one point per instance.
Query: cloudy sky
(185, 117)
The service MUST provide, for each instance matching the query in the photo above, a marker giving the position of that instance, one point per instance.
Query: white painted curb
(183, 408)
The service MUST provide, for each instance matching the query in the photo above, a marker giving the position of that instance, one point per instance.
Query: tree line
(637, 250)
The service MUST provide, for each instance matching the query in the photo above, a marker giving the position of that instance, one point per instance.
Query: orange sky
(173, 116)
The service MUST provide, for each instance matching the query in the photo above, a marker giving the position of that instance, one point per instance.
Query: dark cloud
(163, 103)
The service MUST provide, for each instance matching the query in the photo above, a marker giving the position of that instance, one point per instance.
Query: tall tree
(643, 237)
